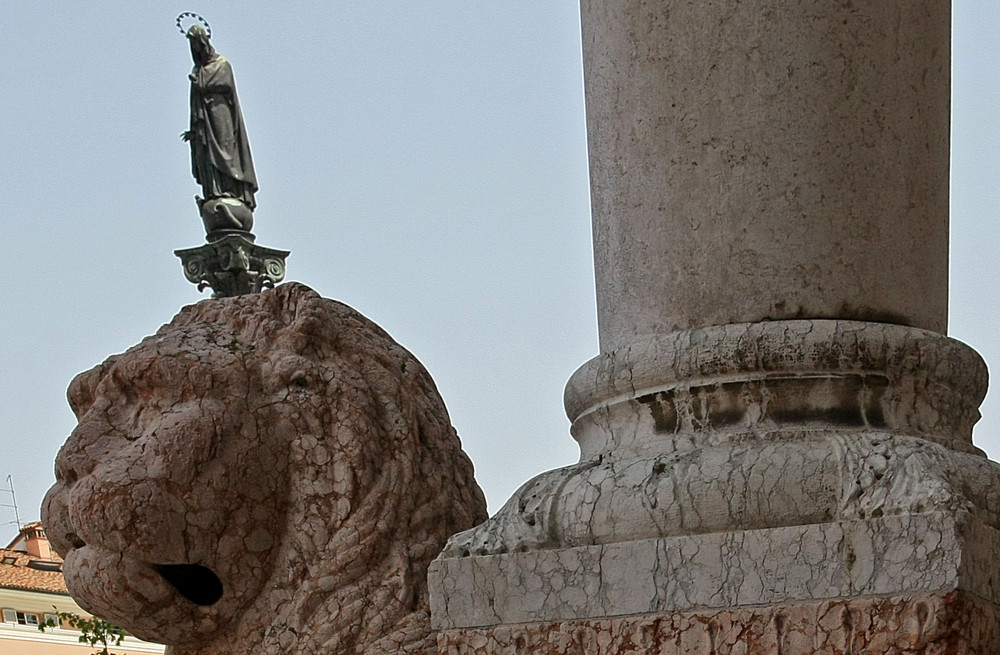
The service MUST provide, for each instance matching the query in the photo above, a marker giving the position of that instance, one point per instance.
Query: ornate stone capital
(233, 265)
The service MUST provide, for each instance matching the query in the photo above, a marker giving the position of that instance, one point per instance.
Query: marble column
(776, 437)
(763, 160)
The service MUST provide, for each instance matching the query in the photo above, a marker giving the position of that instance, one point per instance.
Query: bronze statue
(231, 263)
(220, 151)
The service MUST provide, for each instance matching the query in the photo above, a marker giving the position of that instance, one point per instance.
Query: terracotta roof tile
(16, 574)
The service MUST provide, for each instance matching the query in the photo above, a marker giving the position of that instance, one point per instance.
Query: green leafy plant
(94, 631)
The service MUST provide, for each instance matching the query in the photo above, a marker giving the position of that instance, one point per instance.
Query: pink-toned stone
(928, 624)
(281, 444)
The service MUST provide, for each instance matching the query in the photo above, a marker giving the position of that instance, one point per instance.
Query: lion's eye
(299, 379)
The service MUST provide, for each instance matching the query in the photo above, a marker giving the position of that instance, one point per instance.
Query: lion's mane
(376, 478)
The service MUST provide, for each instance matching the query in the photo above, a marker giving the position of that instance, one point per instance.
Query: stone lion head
(268, 473)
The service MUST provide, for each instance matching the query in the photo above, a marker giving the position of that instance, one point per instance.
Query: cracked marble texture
(678, 390)
(908, 554)
(760, 482)
(750, 426)
(927, 624)
(267, 474)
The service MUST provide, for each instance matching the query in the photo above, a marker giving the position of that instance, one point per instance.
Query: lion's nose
(74, 460)
(64, 472)
(55, 517)
(71, 465)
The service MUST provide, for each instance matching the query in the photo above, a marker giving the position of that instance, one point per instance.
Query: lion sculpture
(266, 474)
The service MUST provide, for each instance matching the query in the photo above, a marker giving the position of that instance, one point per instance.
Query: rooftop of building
(28, 563)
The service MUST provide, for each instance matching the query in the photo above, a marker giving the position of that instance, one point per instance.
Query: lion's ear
(83, 388)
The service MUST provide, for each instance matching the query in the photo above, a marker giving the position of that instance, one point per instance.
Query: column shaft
(763, 160)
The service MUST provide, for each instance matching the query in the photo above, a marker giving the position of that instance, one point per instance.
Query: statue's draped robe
(220, 150)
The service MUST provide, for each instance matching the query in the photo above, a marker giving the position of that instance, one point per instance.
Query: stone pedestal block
(906, 584)
(889, 556)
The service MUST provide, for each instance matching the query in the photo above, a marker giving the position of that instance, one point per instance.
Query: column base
(788, 487)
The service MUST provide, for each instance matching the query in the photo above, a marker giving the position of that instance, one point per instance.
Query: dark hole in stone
(196, 583)
(74, 540)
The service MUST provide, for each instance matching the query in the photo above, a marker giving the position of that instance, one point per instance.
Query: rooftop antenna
(13, 500)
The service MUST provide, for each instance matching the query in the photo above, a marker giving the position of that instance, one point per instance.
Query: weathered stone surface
(266, 474)
(771, 481)
(924, 624)
(751, 426)
(763, 160)
(684, 389)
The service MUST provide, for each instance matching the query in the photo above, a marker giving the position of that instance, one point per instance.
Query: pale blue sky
(425, 162)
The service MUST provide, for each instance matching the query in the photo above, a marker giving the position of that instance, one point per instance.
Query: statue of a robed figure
(231, 264)
(220, 150)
